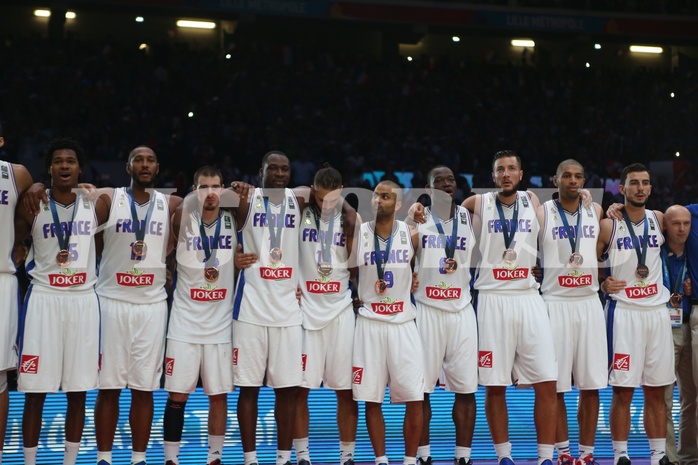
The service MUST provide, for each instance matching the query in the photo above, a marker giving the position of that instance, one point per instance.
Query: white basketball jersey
(560, 279)
(493, 273)
(395, 305)
(266, 291)
(122, 274)
(323, 298)
(647, 292)
(446, 291)
(202, 310)
(80, 274)
(8, 201)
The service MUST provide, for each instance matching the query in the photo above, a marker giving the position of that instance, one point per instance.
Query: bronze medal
(211, 274)
(324, 268)
(450, 265)
(138, 248)
(63, 258)
(642, 271)
(381, 286)
(509, 256)
(676, 300)
(275, 255)
(576, 260)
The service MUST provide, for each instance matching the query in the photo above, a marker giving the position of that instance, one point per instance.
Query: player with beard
(199, 337)
(387, 346)
(14, 181)
(568, 236)
(639, 328)
(445, 318)
(59, 335)
(514, 329)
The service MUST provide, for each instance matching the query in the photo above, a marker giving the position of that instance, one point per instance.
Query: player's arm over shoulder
(472, 203)
(23, 179)
(606, 226)
(534, 199)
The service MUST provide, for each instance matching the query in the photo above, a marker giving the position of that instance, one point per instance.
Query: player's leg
(375, 424)
(106, 420)
(217, 422)
(74, 424)
(301, 425)
(140, 420)
(464, 413)
(655, 421)
(347, 422)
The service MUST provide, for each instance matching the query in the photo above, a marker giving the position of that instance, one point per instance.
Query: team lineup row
(291, 315)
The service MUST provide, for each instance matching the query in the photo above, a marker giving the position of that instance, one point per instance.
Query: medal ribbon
(63, 240)
(508, 235)
(274, 231)
(640, 249)
(140, 232)
(573, 240)
(380, 265)
(449, 247)
(675, 286)
(327, 242)
(210, 255)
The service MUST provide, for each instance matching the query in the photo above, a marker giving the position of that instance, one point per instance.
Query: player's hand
(415, 283)
(615, 211)
(32, 198)
(244, 260)
(242, 189)
(612, 285)
(298, 294)
(88, 191)
(537, 272)
(416, 213)
(687, 288)
(585, 195)
(19, 253)
(356, 303)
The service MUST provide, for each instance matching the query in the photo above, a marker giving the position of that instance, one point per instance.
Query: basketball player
(328, 316)
(199, 337)
(445, 318)
(639, 327)
(59, 336)
(133, 300)
(14, 181)
(568, 236)
(387, 347)
(514, 329)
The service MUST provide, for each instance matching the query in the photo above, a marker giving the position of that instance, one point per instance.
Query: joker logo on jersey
(67, 278)
(208, 293)
(275, 274)
(641, 290)
(134, 278)
(322, 285)
(574, 278)
(505, 274)
(443, 291)
(387, 307)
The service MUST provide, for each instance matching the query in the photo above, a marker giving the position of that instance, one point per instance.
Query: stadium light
(47, 14)
(597, 46)
(646, 49)
(139, 19)
(455, 39)
(196, 24)
(523, 43)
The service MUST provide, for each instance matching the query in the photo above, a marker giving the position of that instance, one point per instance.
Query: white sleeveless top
(266, 291)
(492, 273)
(648, 292)
(323, 298)
(8, 202)
(395, 305)
(438, 289)
(123, 275)
(202, 310)
(560, 279)
(80, 219)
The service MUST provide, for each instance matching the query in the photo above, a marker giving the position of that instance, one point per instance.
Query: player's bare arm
(610, 285)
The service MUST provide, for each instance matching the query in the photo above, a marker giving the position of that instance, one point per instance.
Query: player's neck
(444, 210)
(636, 214)
(276, 196)
(384, 226)
(571, 205)
(209, 216)
(140, 193)
(64, 195)
(507, 198)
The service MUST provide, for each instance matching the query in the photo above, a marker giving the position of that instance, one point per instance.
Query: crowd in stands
(358, 113)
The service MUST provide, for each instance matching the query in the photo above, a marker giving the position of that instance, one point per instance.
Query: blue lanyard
(566, 224)
(63, 240)
(380, 264)
(327, 241)
(140, 232)
(274, 231)
(210, 255)
(449, 247)
(508, 235)
(640, 249)
(675, 286)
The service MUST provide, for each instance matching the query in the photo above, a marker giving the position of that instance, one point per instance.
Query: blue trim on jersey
(99, 333)
(29, 267)
(241, 282)
(610, 315)
(476, 294)
(22, 318)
